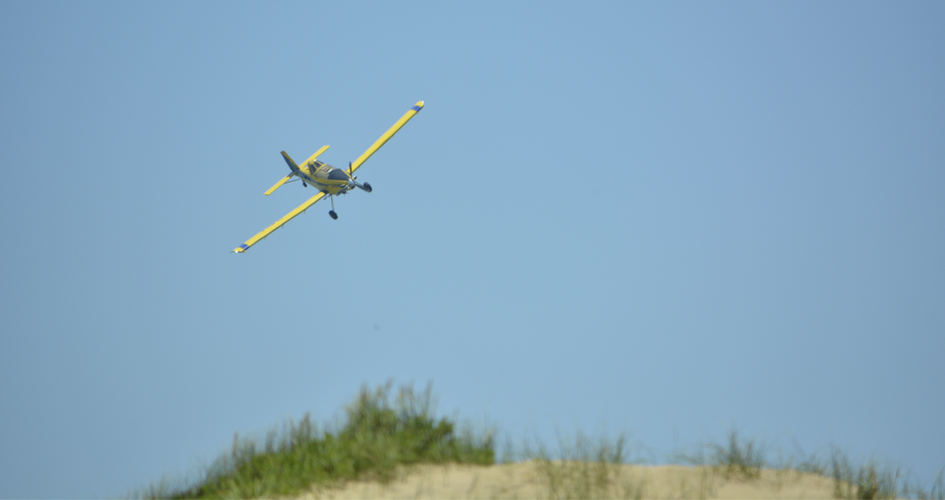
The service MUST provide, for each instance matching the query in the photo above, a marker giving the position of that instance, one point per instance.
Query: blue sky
(658, 218)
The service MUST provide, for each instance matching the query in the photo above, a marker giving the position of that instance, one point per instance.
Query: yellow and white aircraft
(327, 179)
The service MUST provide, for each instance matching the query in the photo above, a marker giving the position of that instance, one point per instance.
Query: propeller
(351, 182)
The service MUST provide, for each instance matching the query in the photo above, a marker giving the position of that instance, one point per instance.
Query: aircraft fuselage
(325, 177)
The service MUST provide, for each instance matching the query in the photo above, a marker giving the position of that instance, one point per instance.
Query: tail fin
(288, 160)
(295, 168)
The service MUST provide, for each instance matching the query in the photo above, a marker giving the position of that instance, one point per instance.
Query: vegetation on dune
(377, 438)
(738, 458)
(745, 459)
(870, 480)
(586, 468)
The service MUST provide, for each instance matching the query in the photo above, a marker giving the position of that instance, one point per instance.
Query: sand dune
(580, 480)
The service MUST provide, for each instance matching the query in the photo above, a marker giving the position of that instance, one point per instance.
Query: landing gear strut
(331, 212)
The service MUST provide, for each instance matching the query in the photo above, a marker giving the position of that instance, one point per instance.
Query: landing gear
(333, 214)
(304, 184)
(367, 187)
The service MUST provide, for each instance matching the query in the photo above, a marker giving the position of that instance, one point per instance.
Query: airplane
(328, 180)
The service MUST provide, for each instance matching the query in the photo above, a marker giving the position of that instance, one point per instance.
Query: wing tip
(418, 106)
(241, 249)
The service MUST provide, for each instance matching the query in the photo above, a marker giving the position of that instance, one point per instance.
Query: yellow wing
(279, 223)
(386, 137)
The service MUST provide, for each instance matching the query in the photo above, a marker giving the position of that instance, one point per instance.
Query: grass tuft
(585, 468)
(867, 481)
(376, 438)
(738, 459)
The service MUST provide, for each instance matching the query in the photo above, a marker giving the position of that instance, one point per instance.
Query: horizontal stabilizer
(312, 158)
(281, 182)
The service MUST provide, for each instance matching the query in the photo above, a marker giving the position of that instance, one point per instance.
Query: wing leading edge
(387, 135)
(279, 223)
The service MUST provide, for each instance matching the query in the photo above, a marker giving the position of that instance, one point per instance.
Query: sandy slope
(572, 480)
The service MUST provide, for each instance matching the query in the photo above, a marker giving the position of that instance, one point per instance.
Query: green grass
(744, 459)
(738, 458)
(872, 479)
(376, 438)
(379, 438)
(585, 468)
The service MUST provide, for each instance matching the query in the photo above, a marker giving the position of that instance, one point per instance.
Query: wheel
(367, 187)
(333, 214)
